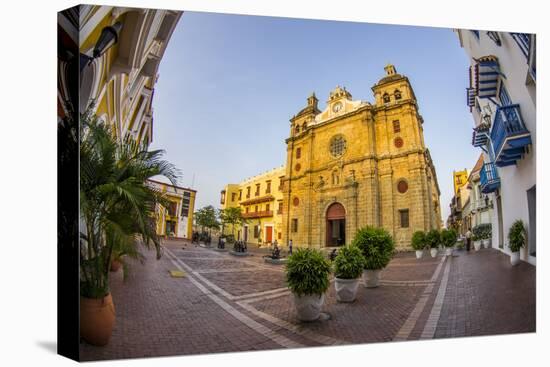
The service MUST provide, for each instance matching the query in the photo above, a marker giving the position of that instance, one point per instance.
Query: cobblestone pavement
(227, 303)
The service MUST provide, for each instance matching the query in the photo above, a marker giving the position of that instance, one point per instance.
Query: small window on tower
(396, 126)
(386, 98)
(294, 225)
(397, 94)
(298, 153)
(297, 129)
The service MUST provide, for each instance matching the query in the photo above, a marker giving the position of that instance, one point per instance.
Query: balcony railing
(509, 135)
(470, 97)
(480, 135)
(262, 214)
(488, 178)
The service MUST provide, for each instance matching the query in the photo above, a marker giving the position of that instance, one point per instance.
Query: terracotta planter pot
(514, 258)
(97, 319)
(419, 253)
(308, 307)
(371, 278)
(433, 252)
(115, 265)
(346, 289)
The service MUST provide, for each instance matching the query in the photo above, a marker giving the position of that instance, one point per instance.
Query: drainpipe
(289, 191)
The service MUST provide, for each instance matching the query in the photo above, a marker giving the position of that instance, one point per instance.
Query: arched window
(386, 98)
(297, 129)
(304, 126)
(397, 94)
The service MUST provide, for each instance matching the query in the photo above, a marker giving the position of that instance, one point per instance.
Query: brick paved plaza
(227, 304)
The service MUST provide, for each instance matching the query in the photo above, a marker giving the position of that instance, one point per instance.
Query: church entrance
(336, 225)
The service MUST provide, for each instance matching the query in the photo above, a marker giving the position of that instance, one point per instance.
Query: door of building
(500, 223)
(268, 234)
(336, 225)
(532, 207)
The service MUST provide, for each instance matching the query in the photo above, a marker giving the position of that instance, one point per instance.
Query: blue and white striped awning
(486, 74)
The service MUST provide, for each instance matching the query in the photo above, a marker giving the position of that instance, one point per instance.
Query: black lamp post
(108, 37)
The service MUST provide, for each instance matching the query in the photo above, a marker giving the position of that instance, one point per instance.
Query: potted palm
(418, 243)
(348, 267)
(307, 276)
(433, 240)
(448, 238)
(117, 212)
(517, 239)
(377, 246)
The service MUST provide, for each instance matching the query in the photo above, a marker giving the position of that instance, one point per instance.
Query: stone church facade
(356, 164)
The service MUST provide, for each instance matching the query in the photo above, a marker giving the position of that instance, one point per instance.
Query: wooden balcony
(488, 178)
(509, 135)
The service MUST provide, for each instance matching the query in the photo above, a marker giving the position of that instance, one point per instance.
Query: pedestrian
(468, 239)
(290, 247)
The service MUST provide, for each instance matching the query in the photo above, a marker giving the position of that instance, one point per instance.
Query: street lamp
(108, 37)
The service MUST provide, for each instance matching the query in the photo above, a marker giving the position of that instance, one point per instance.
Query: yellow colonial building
(261, 201)
(177, 219)
(115, 53)
(351, 165)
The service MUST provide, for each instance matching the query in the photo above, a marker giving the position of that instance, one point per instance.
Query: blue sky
(229, 84)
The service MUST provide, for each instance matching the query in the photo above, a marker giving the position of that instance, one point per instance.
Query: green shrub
(307, 272)
(377, 246)
(418, 240)
(516, 236)
(349, 263)
(482, 231)
(448, 237)
(433, 238)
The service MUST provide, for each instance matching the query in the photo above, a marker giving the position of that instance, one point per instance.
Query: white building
(502, 99)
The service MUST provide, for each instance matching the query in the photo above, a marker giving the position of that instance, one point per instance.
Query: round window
(296, 201)
(297, 167)
(337, 146)
(402, 186)
(398, 142)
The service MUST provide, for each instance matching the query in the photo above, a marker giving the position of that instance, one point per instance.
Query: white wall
(515, 180)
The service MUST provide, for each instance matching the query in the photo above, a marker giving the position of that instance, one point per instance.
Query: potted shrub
(517, 240)
(486, 235)
(433, 240)
(348, 267)
(377, 246)
(307, 276)
(477, 236)
(448, 238)
(418, 243)
(116, 209)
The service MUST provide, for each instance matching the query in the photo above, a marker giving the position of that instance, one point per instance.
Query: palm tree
(117, 206)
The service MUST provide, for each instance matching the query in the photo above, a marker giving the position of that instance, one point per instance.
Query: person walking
(290, 247)
(468, 239)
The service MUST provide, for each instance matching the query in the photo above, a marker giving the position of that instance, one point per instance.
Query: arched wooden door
(336, 225)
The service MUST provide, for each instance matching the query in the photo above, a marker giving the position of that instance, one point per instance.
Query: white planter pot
(514, 258)
(308, 307)
(346, 289)
(486, 243)
(449, 251)
(371, 278)
(433, 252)
(419, 253)
(477, 245)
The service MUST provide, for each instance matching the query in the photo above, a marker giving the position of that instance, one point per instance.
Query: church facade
(356, 164)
